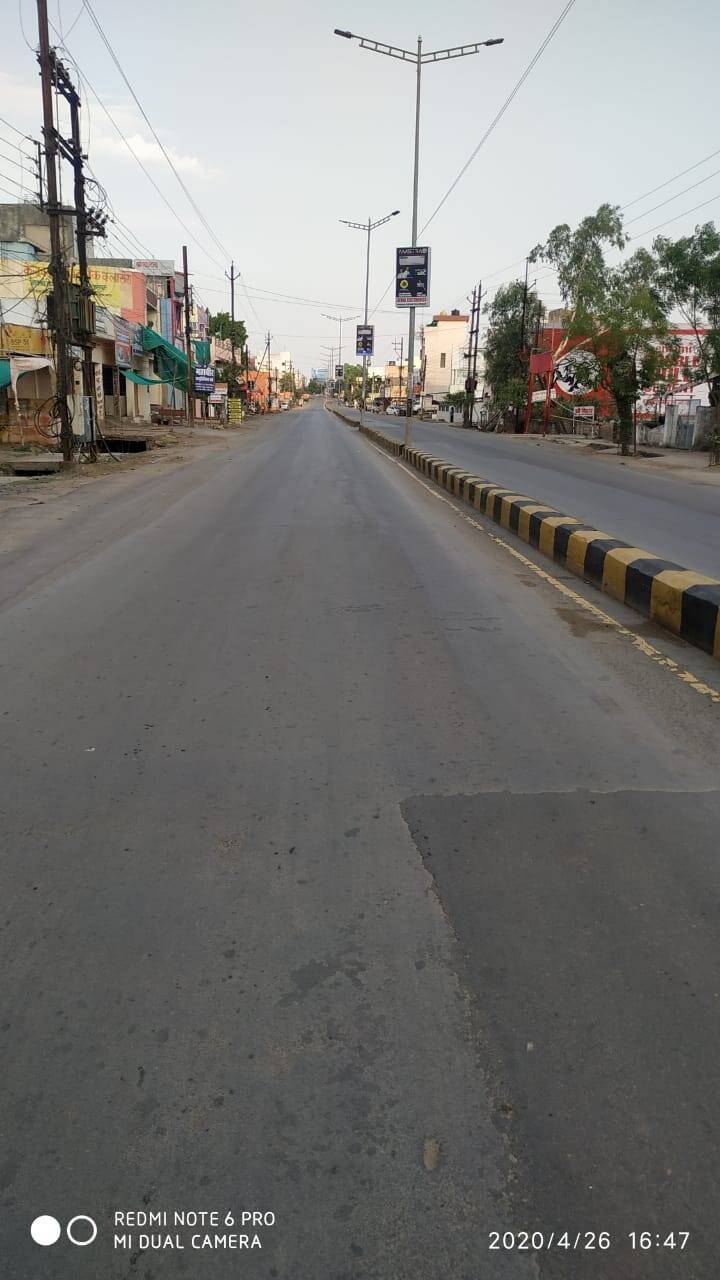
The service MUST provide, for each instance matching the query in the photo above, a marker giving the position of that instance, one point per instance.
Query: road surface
(353, 873)
(675, 518)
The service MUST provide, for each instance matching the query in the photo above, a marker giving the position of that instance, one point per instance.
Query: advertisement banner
(121, 291)
(412, 277)
(364, 336)
(123, 343)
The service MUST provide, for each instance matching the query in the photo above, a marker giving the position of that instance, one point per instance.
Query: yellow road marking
(638, 642)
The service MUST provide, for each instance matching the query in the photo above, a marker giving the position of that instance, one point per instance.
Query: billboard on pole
(364, 337)
(412, 277)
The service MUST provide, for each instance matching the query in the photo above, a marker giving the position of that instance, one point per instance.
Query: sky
(279, 129)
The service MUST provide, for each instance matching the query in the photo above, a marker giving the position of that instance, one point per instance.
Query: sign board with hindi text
(204, 378)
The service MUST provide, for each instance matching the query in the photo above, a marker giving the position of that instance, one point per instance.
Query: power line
(491, 127)
(151, 127)
(498, 117)
(18, 165)
(7, 143)
(645, 196)
(667, 221)
(138, 161)
(15, 128)
(15, 182)
(646, 213)
(674, 178)
(14, 194)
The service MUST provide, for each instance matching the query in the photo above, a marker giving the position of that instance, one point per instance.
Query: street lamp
(369, 227)
(438, 55)
(329, 355)
(341, 320)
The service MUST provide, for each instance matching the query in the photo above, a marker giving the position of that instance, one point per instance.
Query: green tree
(512, 317)
(315, 387)
(617, 317)
(221, 326)
(287, 382)
(689, 281)
(352, 380)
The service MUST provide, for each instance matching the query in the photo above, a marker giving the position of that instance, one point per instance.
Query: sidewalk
(649, 458)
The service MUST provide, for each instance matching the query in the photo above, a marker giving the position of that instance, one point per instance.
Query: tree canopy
(688, 274)
(221, 326)
(617, 313)
(512, 317)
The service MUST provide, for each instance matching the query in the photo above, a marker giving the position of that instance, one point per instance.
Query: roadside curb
(682, 601)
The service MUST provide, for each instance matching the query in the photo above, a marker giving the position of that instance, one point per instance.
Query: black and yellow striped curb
(685, 602)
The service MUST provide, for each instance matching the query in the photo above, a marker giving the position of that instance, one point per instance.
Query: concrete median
(684, 602)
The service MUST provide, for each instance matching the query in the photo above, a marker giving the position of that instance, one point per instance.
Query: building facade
(444, 344)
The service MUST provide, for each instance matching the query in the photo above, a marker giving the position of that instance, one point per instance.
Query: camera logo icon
(80, 1230)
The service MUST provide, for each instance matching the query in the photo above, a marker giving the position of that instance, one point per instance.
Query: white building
(444, 343)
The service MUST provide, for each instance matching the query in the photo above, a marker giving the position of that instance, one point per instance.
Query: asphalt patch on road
(586, 927)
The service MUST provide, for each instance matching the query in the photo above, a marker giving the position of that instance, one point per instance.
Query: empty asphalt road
(353, 873)
(676, 517)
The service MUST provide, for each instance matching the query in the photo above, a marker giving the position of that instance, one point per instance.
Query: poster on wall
(99, 392)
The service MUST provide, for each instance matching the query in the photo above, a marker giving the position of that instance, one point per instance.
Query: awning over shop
(171, 363)
(4, 373)
(144, 382)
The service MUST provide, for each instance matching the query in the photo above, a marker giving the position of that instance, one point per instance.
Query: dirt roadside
(181, 448)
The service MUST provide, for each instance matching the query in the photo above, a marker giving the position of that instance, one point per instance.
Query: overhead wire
(646, 212)
(148, 175)
(492, 126)
(216, 240)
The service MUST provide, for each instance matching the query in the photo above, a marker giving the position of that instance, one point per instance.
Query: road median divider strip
(682, 601)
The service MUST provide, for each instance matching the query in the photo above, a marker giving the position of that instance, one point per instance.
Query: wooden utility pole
(267, 348)
(188, 343)
(57, 266)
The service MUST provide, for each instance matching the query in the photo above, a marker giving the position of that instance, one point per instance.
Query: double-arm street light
(341, 320)
(419, 59)
(368, 227)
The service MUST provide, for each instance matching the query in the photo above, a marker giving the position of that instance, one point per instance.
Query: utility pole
(522, 337)
(57, 266)
(89, 223)
(188, 342)
(232, 277)
(400, 372)
(473, 344)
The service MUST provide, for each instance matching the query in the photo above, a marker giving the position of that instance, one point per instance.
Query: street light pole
(368, 227)
(411, 325)
(418, 58)
(341, 320)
